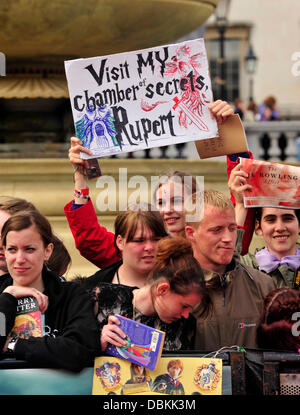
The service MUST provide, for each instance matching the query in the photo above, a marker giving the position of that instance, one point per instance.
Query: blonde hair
(194, 207)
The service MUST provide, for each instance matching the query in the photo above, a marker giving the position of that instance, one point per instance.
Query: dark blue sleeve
(234, 157)
(75, 205)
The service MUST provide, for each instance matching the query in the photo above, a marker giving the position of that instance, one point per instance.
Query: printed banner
(136, 100)
(173, 376)
(273, 184)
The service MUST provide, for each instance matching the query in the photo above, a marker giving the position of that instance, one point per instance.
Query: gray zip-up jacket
(236, 306)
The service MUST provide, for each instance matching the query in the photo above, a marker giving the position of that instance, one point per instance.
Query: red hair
(276, 326)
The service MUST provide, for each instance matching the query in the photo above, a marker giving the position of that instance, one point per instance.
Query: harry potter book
(143, 346)
(273, 184)
(29, 321)
(174, 375)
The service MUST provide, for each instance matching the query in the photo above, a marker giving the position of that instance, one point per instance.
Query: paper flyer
(173, 376)
(273, 184)
(142, 99)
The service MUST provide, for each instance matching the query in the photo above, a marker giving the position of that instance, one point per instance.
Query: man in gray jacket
(236, 290)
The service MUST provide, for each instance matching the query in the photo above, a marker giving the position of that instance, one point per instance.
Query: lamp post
(221, 14)
(250, 63)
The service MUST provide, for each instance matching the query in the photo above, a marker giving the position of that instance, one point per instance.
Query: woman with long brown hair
(70, 339)
(174, 286)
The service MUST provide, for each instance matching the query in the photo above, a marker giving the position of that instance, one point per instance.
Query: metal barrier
(249, 372)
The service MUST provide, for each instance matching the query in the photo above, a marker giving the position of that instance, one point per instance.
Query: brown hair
(175, 263)
(187, 180)
(275, 328)
(252, 107)
(13, 205)
(270, 102)
(24, 220)
(60, 259)
(126, 222)
(259, 212)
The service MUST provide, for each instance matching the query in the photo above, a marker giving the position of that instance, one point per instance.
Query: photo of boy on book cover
(168, 382)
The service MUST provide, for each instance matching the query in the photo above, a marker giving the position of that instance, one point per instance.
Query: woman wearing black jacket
(71, 340)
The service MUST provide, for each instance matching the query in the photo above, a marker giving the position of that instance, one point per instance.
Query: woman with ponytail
(278, 328)
(174, 286)
(70, 339)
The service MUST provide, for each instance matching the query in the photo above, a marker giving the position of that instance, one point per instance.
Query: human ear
(162, 288)
(120, 242)
(258, 230)
(48, 251)
(189, 231)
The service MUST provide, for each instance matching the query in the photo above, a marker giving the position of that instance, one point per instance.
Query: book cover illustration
(141, 99)
(144, 344)
(173, 376)
(273, 184)
(29, 320)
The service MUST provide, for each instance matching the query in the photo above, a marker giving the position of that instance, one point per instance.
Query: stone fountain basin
(85, 28)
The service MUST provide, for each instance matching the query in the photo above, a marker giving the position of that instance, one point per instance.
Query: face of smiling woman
(170, 203)
(280, 229)
(25, 255)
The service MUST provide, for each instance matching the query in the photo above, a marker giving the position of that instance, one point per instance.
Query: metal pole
(223, 94)
(251, 88)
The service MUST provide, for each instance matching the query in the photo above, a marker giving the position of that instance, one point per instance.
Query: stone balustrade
(274, 140)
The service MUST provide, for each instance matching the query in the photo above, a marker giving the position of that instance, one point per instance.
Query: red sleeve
(249, 221)
(94, 242)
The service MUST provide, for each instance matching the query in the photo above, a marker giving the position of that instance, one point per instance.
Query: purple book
(144, 344)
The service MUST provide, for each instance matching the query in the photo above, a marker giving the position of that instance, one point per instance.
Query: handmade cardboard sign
(273, 184)
(231, 140)
(136, 100)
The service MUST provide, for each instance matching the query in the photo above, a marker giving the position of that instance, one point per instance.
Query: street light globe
(250, 61)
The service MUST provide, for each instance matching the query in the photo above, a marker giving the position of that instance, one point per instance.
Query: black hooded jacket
(71, 339)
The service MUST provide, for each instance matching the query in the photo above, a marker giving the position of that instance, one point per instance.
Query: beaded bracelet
(83, 193)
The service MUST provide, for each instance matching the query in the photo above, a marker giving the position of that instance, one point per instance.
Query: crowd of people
(266, 111)
(194, 279)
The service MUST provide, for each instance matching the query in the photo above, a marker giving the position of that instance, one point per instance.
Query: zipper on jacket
(223, 285)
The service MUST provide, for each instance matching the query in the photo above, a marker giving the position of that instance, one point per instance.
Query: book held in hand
(273, 184)
(29, 320)
(144, 343)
